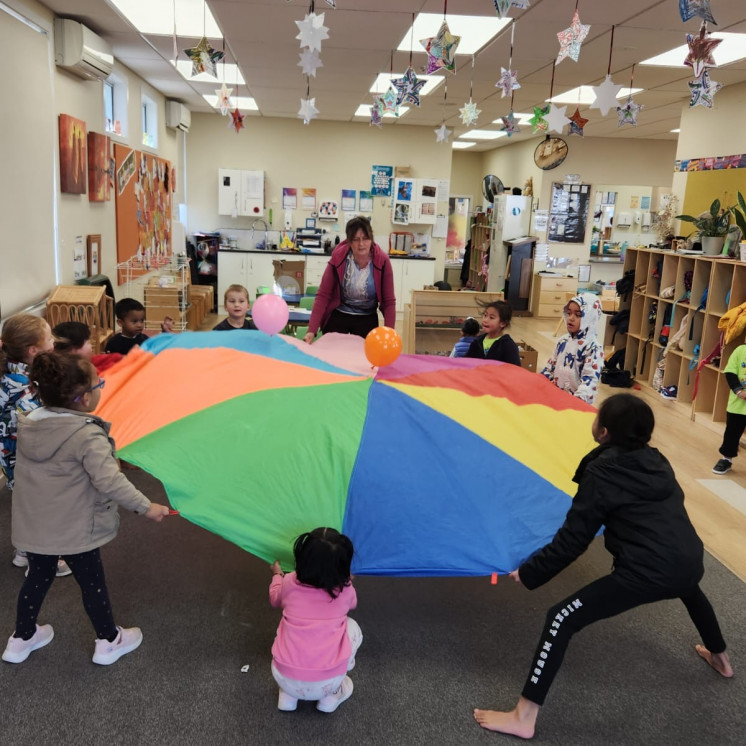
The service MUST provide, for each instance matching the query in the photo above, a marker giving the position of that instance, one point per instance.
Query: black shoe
(722, 467)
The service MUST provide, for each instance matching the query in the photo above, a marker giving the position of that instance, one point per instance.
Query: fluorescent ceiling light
(676, 130)
(463, 145)
(228, 74)
(191, 18)
(484, 134)
(239, 102)
(732, 48)
(475, 31)
(383, 82)
(364, 111)
(519, 116)
(584, 95)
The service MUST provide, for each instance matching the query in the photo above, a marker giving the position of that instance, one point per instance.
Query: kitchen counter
(300, 254)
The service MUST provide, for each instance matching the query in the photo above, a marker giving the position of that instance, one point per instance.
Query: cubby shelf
(655, 270)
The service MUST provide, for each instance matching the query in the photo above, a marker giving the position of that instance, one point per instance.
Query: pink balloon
(270, 313)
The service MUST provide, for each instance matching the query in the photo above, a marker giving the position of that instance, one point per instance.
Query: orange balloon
(382, 346)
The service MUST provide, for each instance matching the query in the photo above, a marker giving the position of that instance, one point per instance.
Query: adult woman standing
(356, 282)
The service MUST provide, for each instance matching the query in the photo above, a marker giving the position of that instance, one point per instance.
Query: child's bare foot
(719, 661)
(520, 722)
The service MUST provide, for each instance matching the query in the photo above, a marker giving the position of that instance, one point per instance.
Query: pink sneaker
(18, 649)
(330, 703)
(127, 640)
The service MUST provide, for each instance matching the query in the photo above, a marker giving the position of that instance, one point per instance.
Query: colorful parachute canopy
(432, 466)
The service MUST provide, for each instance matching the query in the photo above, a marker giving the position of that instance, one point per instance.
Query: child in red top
(316, 642)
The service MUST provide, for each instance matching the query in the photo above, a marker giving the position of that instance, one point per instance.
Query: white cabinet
(409, 275)
(315, 266)
(260, 272)
(240, 268)
(240, 192)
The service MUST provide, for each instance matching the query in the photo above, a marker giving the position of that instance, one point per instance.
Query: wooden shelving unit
(481, 235)
(432, 322)
(725, 280)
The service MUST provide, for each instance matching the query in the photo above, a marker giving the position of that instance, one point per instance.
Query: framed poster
(79, 260)
(73, 160)
(93, 244)
(568, 213)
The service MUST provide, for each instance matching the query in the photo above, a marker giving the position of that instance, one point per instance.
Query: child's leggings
(602, 599)
(87, 570)
(735, 424)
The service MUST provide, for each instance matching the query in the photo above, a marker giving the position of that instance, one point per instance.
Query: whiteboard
(28, 129)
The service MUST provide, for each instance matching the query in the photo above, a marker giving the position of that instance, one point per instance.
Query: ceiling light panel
(227, 73)
(732, 48)
(383, 82)
(483, 134)
(237, 102)
(475, 31)
(584, 95)
(463, 145)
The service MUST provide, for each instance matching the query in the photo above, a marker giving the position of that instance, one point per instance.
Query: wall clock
(550, 153)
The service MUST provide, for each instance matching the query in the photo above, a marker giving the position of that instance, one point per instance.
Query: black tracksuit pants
(735, 424)
(602, 599)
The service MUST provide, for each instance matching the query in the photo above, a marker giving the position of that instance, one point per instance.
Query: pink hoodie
(311, 642)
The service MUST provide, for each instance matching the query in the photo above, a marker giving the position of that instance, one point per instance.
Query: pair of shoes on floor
(286, 702)
(670, 392)
(127, 640)
(19, 558)
(63, 569)
(18, 649)
(722, 467)
(330, 703)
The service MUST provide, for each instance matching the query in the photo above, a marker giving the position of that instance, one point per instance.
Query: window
(149, 122)
(115, 106)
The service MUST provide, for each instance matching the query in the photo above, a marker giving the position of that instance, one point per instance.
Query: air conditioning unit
(178, 117)
(79, 50)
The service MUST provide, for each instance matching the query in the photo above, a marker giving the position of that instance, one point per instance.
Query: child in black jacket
(493, 343)
(630, 488)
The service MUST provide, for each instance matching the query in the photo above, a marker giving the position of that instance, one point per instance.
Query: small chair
(312, 290)
(301, 331)
(262, 290)
(306, 302)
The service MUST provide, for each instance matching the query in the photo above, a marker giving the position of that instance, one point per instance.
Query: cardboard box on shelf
(290, 275)
(529, 356)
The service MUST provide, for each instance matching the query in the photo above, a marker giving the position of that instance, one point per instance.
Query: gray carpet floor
(433, 650)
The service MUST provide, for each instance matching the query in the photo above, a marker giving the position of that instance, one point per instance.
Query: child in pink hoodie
(316, 642)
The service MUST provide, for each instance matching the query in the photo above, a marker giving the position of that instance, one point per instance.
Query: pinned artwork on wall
(73, 162)
(93, 245)
(328, 210)
(380, 181)
(569, 212)
(99, 187)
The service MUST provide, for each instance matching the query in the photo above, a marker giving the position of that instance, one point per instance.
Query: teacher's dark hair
(628, 420)
(358, 223)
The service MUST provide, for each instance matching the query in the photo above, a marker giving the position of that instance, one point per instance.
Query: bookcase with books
(688, 292)
(481, 236)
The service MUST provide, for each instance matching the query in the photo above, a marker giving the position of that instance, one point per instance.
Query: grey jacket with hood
(68, 483)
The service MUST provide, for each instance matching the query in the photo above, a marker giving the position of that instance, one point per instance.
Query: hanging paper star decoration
(571, 38)
(577, 122)
(556, 118)
(312, 31)
(408, 88)
(503, 6)
(376, 112)
(509, 124)
(701, 48)
(442, 133)
(310, 62)
(332, 3)
(308, 110)
(508, 81)
(628, 113)
(538, 121)
(441, 49)
(388, 102)
(224, 99)
(606, 95)
(691, 8)
(469, 113)
(703, 90)
(236, 120)
(203, 58)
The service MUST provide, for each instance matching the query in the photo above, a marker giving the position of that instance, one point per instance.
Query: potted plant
(712, 227)
(739, 216)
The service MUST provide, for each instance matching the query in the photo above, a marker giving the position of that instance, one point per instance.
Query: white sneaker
(18, 649)
(19, 558)
(63, 568)
(286, 702)
(127, 640)
(330, 703)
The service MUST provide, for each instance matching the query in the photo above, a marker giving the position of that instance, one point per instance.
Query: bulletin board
(143, 186)
(568, 215)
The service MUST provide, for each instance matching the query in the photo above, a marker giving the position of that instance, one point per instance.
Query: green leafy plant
(712, 223)
(739, 214)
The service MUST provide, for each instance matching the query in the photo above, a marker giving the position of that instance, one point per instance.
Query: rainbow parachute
(432, 466)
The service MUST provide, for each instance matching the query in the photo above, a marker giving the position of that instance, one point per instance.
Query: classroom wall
(329, 156)
(466, 175)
